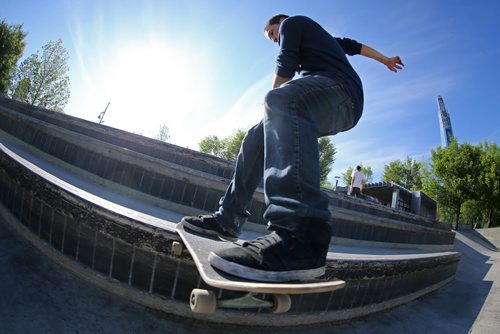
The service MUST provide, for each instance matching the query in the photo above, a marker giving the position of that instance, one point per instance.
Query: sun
(153, 84)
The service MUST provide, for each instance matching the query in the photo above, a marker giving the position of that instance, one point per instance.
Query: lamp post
(101, 115)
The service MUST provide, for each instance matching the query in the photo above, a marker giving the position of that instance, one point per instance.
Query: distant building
(393, 195)
(444, 123)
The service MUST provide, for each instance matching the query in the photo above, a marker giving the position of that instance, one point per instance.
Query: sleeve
(350, 46)
(287, 61)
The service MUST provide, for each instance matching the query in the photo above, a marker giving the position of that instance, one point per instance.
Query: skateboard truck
(205, 301)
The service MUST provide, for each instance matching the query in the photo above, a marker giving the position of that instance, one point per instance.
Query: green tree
(43, 81)
(327, 153)
(11, 48)
(454, 175)
(233, 144)
(472, 213)
(407, 174)
(163, 133)
(489, 181)
(229, 147)
(367, 172)
(212, 145)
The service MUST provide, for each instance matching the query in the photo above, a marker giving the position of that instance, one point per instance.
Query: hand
(394, 63)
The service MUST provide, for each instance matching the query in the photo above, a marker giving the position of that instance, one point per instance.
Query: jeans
(282, 150)
(355, 191)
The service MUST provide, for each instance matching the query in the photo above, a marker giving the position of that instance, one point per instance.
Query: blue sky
(203, 67)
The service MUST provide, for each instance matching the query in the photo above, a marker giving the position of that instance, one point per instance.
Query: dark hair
(358, 167)
(276, 19)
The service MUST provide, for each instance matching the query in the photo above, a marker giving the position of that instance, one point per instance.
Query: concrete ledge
(154, 148)
(490, 235)
(374, 230)
(393, 245)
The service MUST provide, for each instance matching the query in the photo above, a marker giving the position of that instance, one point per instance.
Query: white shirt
(357, 178)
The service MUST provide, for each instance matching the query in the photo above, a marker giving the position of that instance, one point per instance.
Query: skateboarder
(282, 150)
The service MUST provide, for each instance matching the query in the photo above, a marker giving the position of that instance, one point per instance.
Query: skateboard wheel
(282, 303)
(176, 248)
(203, 301)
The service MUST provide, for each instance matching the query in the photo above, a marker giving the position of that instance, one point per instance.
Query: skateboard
(263, 295)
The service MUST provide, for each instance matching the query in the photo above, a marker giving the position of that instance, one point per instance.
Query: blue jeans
(282, 150)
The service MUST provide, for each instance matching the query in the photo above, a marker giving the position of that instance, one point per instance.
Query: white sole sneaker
(253, 274)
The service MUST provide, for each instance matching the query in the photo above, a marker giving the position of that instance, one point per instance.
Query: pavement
(39, 296)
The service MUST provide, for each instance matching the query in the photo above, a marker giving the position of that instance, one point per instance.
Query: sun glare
(153, 84)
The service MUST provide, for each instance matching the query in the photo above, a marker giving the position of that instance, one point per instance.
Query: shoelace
(265, 242)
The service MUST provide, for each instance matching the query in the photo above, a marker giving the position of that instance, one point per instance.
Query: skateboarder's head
(358, 168)
(271, 30)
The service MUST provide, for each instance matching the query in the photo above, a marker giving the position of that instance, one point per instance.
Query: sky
(203, 67)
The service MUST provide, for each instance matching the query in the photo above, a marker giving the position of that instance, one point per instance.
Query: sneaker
(276, 257)
(208, 225)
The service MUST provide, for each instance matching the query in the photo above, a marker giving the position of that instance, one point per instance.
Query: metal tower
(444, 123)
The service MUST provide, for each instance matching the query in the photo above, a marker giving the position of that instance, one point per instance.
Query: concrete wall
(491, 234)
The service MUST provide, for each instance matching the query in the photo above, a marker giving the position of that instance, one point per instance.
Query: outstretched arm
(393, 63)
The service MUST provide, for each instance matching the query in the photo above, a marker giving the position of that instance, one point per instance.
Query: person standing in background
(357, 179)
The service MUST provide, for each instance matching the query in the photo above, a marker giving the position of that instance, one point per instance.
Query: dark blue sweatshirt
(308, 49)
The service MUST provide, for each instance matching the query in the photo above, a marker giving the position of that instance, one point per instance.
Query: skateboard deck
(200, 246)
